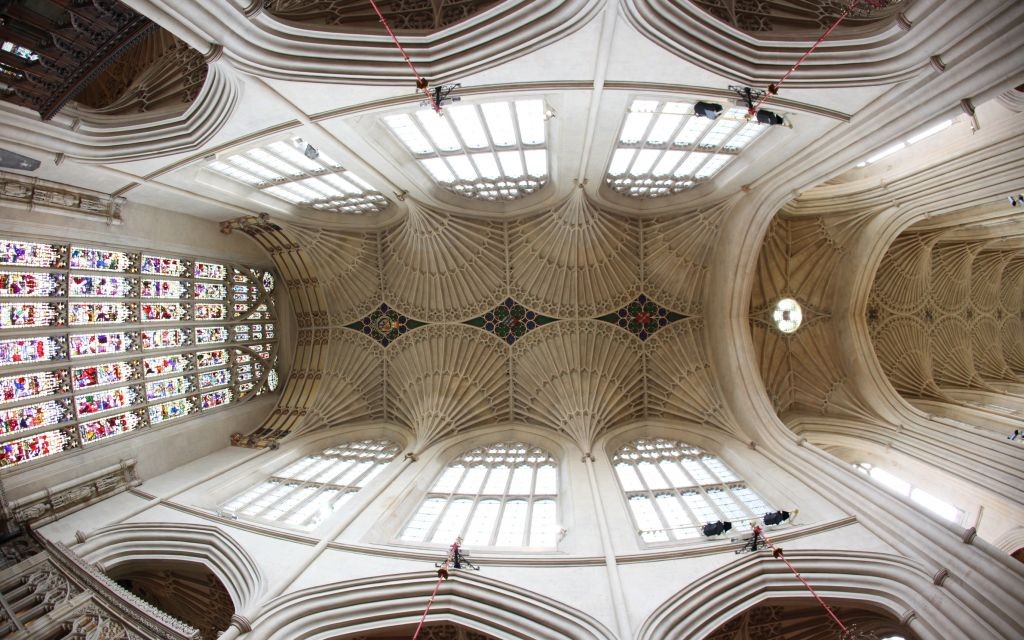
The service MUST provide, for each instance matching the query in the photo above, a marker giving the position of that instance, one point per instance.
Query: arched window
(96, 342)
(312, 488)
(502, 495)
(673, 489)
(898, 485)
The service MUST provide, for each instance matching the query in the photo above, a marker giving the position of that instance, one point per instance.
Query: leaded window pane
(502, 495)
(304, 493)
(673, 489)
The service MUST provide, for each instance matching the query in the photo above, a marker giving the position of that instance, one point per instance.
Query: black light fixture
(776, 517)
(708, 110)
(769, 117)
(716, 528)
(1019, 200)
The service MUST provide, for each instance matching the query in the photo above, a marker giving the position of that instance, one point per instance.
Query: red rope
(442, 575)
(778, 554)
(775, 87)
(420, 82)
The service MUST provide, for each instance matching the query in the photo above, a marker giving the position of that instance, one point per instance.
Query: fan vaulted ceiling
(573, 303)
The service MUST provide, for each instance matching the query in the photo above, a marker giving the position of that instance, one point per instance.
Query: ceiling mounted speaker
(11, 160)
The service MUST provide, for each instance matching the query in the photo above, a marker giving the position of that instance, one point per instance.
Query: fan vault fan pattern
(444, 323)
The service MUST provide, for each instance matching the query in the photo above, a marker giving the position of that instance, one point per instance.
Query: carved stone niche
(417, 15)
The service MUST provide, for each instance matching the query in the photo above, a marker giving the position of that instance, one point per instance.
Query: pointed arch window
(501, 495)
(310, 489)
(673, 489)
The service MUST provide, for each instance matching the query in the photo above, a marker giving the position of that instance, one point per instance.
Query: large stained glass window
(503, 495)
(100, 341)
(673, 489)
(311, 488)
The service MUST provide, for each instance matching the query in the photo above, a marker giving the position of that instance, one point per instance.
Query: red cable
(782, 557)
(420, 82)
(828, 31)
(442, 574)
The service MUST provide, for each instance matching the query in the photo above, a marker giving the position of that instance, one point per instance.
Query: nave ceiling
(409, 315)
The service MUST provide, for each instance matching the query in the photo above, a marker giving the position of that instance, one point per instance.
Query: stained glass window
(37, 446)
(673, 489)
(28, 314)
(210, 271)
(30, 385)
(165, 338)
(168, 387)
(163, 312)
(211, 335)
(101, 374)
(208, 291)
(99, 286)
(94, 344)
(165, 364)
(308, 490)
(170, 410)
(30, 254)
(32, 416)
(100, 401)
(29, 350)
(99, 259)
(25, 284)
(164, 289)
(206, 311)
(80, 313)
(503, 495)
(215, 398)
(110, 426)
(153, 301)
(163, 266)
(215, 378)
(214, 358)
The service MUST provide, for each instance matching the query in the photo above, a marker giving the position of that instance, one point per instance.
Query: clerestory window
(502, 495)
(900, 486)
(491, 151)
(673, 489)
(665, 148)
(310, 489)
(299, 173)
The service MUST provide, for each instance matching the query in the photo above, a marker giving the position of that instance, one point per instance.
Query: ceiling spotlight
(776, 517)
(1018, 200)
(769, 117)
(716, 528)
(549, 113)
(707, 110)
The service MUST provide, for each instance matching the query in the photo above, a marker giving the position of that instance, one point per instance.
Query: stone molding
(221, 554)
(75, 594)
(87, 138)
(35, 194)
(54, 503)
(485, 604)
